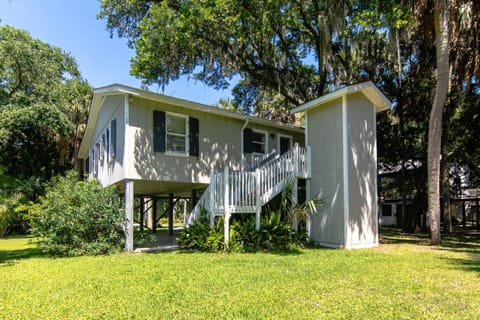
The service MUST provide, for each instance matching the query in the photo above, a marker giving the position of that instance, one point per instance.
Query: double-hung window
(259, 141)
(176, 133)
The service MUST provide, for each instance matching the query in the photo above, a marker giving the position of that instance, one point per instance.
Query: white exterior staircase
(247, 191)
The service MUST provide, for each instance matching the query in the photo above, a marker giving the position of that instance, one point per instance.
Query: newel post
(258, 204)
(296, 157)
(226, 223)
(211, 200)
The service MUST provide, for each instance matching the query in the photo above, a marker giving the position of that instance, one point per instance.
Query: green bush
(201, 236)
(143, 238)
(4, 225)
(274, 234)
(15, 199)
(79, 218)
(13, 214)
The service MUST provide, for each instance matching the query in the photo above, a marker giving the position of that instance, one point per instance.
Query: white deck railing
(246, 191)
(261, 159)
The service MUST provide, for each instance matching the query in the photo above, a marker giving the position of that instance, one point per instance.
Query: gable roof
(376, 97)
(99, 95)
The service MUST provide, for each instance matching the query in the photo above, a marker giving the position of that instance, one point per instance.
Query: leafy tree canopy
(43, 104)
(287, 46)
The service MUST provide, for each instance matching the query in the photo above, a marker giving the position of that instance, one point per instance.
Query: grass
(402, 279)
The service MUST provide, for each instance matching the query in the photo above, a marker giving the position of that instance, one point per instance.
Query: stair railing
(247, 191)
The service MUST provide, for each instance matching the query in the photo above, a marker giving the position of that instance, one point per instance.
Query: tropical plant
(297, 213)
(201, 236)
(15, 195)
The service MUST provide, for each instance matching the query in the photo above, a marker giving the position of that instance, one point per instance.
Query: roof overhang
(376, 97)
(99, 94)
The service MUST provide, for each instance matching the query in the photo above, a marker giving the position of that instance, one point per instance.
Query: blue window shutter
(247, 140)
(158, 131)
(113, 137)
(194, 137)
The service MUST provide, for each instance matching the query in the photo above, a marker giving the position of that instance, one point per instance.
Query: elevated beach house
(150, 145)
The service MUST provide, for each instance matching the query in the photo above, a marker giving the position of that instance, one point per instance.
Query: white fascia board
(97, 101)
(378, 99)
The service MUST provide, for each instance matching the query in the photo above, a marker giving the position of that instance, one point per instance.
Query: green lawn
(403, 279)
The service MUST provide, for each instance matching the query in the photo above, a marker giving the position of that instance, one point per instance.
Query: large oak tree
(43, 108)
(289, 52)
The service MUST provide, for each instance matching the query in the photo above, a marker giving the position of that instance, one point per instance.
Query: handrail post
(258, 205)
(296, 156)
(211, 189)
(226, 223)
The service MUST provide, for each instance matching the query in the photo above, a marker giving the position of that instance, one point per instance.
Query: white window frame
(281, 135)
(92, 161)
(96, 158)
(265, 147)
(103, 143)
(108, 137)
(186, 135)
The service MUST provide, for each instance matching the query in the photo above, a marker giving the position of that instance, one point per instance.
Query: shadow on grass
(397, 236)
(462, 241)
(8, 257)
(279, 252)
(472, 264)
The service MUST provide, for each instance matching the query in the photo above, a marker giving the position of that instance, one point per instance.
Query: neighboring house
(391, 212)
(149, 144)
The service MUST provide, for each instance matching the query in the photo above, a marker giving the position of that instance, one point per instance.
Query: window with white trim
(259, 141)
(92, 160)
(102, 149)
(107, 141)
(176, 133)
(95, 158)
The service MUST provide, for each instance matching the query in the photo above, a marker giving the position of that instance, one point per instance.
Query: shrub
(274, 234)
(15, 199)
(79, 218)
(4, 225)
(13, 214)
(202, 237)
(143, 238)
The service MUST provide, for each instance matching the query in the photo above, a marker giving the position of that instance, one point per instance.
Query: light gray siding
(110, 169)
(220, 144)
(324, 129)
(362, 171)
(342, 133)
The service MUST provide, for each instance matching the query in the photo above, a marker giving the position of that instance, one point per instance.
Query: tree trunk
(441, 16)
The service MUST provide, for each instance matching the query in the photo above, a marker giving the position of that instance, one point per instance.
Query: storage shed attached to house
(340, 129)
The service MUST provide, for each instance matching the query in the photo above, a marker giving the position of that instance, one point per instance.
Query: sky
(72, 26)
